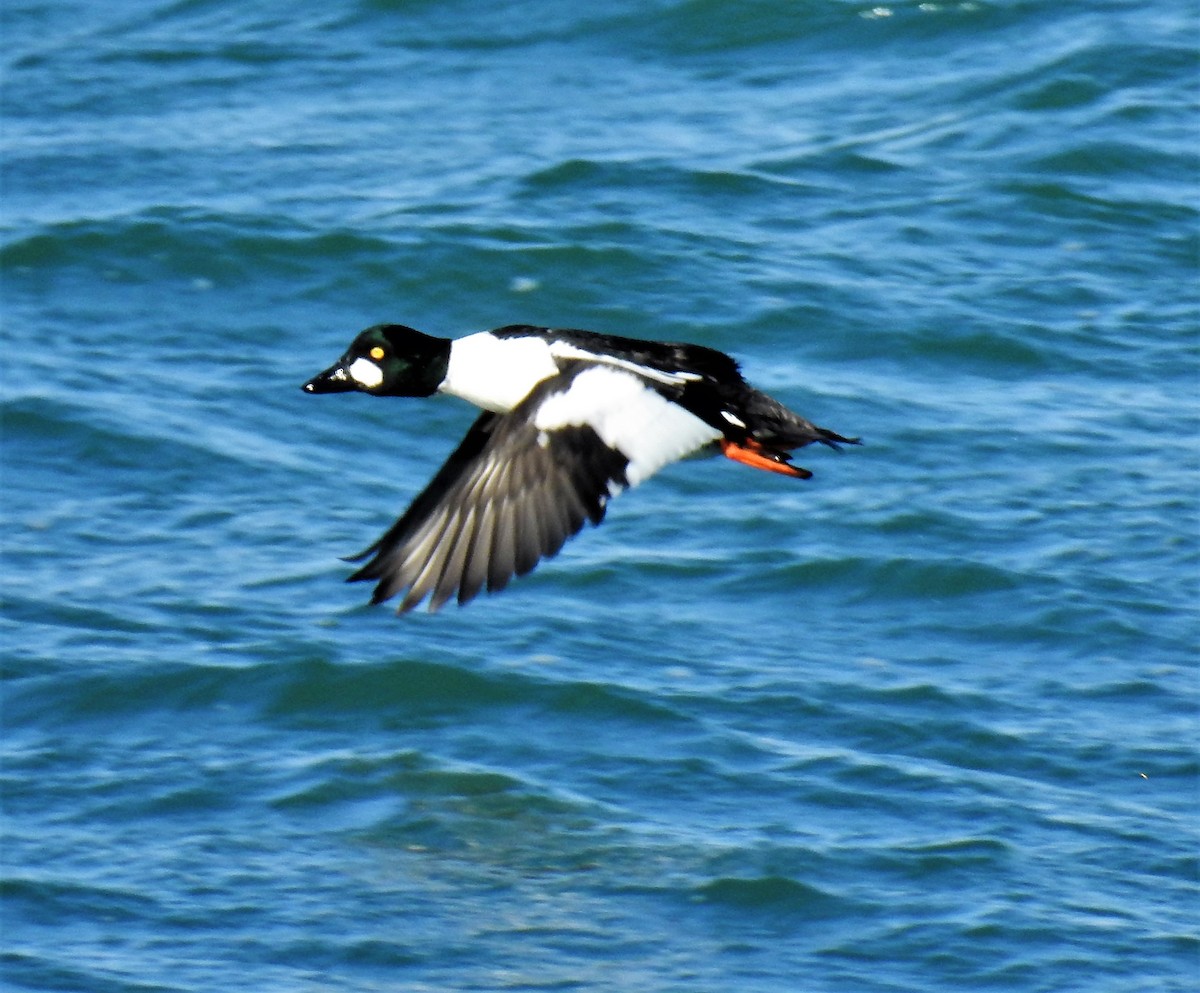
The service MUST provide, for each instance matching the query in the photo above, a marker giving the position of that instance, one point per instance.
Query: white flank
(496, 373)
(629, 416)
(366, 373)
(561, 350)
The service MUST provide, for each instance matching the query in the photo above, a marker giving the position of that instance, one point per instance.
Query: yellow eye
(376, 353)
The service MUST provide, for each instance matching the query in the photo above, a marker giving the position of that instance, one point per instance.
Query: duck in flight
(570, 419)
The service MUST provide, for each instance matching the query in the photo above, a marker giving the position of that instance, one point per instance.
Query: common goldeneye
(570, 419)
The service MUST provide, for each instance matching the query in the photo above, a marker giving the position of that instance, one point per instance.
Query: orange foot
(753, 454)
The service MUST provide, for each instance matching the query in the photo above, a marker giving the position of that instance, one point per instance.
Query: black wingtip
(359, 556)
(360, 575)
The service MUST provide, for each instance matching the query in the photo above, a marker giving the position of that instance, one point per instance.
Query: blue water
(926, 722)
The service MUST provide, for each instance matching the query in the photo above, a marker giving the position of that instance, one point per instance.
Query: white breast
(629, 416)
(496, 373)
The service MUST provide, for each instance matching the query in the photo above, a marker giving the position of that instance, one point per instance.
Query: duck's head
(387, 360)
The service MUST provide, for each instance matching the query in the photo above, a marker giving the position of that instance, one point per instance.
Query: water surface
(924, 722)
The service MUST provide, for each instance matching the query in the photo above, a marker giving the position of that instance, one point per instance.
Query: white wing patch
(629, 416)
(561, 350)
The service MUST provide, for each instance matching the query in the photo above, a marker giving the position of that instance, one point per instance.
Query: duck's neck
(496, 373)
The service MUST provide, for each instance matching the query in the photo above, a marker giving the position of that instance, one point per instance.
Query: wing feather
(509, 496)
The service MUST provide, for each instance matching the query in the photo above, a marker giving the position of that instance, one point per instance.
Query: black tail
(773, 424)
(831, 438)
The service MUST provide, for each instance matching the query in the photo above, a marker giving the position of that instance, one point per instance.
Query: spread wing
(509, 496)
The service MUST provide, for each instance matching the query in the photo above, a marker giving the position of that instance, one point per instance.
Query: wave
(774, 895)
(315, 690)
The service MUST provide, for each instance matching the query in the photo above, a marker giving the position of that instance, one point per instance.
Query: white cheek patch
(366, 373)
